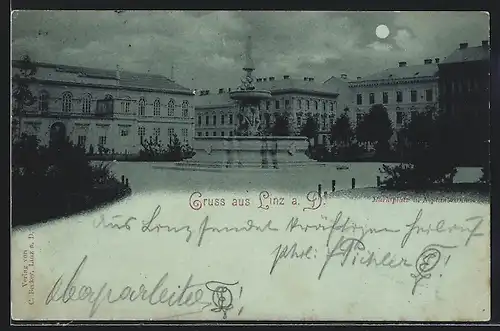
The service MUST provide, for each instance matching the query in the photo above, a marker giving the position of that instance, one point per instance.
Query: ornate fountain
(250, 148)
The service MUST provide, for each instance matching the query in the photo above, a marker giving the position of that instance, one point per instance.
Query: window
(170, 132)
(324, 105)
(126, 105)
(385, 97)
(268, 105)
(214, 133)
(206, 134)
(142, 106)
(222, 133)
(67, 99)
(124, 132)
(277, 104)
(230, 133)
(308, 105)
(299, 121)
(372, 98)
(156, 132)
(171, 108)
(185, 109)
(108, 97)
(43, 101)
(359, 99)
(414, 114)
(399, 96)
(230, 118)
(399, 117)
(199, 134)
(413, 95)
(156, 107)
(102, 140)
(428, 95)
(82, 140)
(184, 133)
(331, 106)
(287, 103)
(359, 118)
(323, 122)
(207, 120)
(141, 131)
(214, 119)
(315, 104)
(222, 119)
(199, 120)
(299, 103)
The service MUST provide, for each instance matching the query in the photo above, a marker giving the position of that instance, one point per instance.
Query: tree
(21, 94)
(281, 126)
(310, 128)
(376, 128)
(341, 132)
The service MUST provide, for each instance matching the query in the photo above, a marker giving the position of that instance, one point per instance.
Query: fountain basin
(239, 152)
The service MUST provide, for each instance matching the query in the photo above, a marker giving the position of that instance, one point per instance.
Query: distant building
(113, 109)
(464, 79)
(216, 113)
(403, 91)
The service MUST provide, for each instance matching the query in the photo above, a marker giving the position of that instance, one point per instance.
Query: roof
(412, 71)
(337, 85)
(478, 53)
(295, 85)
(213, 100)
(127, 78)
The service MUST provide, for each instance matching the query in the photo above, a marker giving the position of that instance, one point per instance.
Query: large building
(216, 113)
(110, 110)
(403, 91)
(464, 79)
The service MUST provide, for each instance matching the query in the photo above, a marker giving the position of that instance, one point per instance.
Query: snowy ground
(143, 177)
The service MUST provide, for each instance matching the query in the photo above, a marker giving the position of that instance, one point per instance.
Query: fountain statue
(250, 147)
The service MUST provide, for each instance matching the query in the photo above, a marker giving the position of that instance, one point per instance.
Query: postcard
(243, 166)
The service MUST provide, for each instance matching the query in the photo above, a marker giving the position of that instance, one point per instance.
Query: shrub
(55, 181)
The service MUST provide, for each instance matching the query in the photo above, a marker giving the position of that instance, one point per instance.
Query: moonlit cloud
(206, 47)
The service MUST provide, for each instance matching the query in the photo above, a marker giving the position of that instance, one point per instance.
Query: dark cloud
(206, 47)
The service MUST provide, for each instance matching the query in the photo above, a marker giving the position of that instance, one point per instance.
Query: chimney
(402, 64)
(221, 90)
(311, 79)
(427, 61)
(343, 76)
(207, 92)
(358, 78)
(485, 43)
(264, 79)
(436, 60)
(259, 79)
(306, 79)
(229, 89)
(463, 45)
(117, 72)
(271, 79)
(286, 77)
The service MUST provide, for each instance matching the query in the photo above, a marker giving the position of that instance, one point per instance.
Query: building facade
(216, 113)
(464, 79)
(110, 110)
(403, 91)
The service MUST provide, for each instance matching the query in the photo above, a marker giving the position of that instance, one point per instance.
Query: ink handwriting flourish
(222, 298)
(316, 200)
(426, 262)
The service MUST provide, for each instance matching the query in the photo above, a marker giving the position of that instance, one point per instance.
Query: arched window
(43, 101)
(299, 103)
(86, 103)
(307, 104)
(331, 106)
(108, 97)
(126, 105)
(171, 107)
(67, 102)
(315, 104)
(185, 109)
(156, 107)
(142, 106)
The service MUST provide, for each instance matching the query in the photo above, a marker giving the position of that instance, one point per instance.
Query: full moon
(382, 31)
